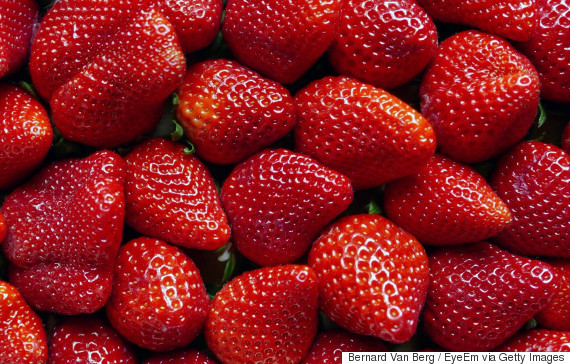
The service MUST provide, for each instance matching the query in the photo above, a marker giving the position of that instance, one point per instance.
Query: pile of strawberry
(340, 175)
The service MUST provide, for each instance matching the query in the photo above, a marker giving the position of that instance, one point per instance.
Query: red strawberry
(182, 356)
(278, 201)
(538, 340)
(534, 181)
(511, 19)
(3, 228)
(106, 67)
(159, 301)
(480, 95)
(230, 112)
(172, 196)
(445, 203)
(566, 139)
(556, 315)
(17, 21)
(480, 295)
(361, 131)
(25, 135)
(22, 335)
(64, 229)
(88, 339)
(265, 315)
(385, 43)
(281, 40)
(372, 275)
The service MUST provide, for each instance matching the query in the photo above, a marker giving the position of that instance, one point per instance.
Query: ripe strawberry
(556, 315)
(88, 339)
(159, 301)
(230, 112)
(64, 229)
(372, 275)
(534, 181)
(445, 203)
(265, 315)
(3, 228)
(182, 356)
(278, 201)
(566, 139)
(480, 295)
(361, 131)
(480, 95)
(22, 335)
(385, 43)
(538, 340)
(172, 196)
(283, 40)
(17, 21)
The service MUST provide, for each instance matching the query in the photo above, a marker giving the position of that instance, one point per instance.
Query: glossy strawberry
(565, 143)
(17, 21)
(265, 315)
(3, 228)
(538, 340)
(361, 131)
(278, 201)
(64, 229)
(384, 43)
(480, 295)
(445, 203)
(22, 335)
(230, 112)
(534, 181)
(480, 95)
(556, 315)
(372, 275)
(172, 196)
(280, 39)
(182, 356)
(159, 301)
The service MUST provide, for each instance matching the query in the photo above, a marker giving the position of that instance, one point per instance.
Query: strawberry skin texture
(22, 335)
(534, 181)
(480, 95)
(182, 356)
(230, 112)
(372, 275)
(172, 196)
(159, 301)
(268, 315)
(3, 228)
(25, 135)
(480, 295)
(361, 131)
(384, 43)
(445, 203)
(278, 201)
(17, 21)
(556, 315)
(538, 340)
(280, 39)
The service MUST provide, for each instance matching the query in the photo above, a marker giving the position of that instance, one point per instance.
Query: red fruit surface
(445, 203)
(3, 228)
(480, 295)
(159, 301)
(538, 340)
(556, 315)
(534, 181)
(64, 229)
(384, 43)
(278, 201)
(361, 131)
(17, 21)
(480, 95)
(229, 112)
(265, 315)
(25, 135)
(22, 335)
(88, 339)
(172, 196)
(280, 39)
(566, 139)
(372, 276)
(182, 356)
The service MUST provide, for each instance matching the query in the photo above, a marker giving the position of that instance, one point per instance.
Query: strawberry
(534, 181)
(25, 135)
(159, 301)
(172, 196)
(64, 229)
(361, 131)
(480, 95)
(3, 228)
(385, 43)
(181, 356)
(88, 339)
(278, 201)
(556, 315)
(565, 143)
(281, 41)
(22, 335)
(538, 340)
(265, 315)
(17, 21)
(372, 276)
(480, 295)
(230, 112)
